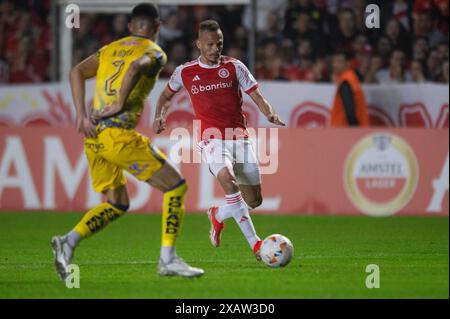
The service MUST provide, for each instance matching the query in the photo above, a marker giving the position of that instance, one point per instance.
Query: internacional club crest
(224, 73)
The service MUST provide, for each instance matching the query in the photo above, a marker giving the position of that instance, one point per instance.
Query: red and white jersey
(215, 93)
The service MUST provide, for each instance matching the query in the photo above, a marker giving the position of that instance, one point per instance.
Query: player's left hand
(275, 119)
(86, 127)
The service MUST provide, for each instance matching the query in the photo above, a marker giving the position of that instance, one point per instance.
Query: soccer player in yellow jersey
(126, 72)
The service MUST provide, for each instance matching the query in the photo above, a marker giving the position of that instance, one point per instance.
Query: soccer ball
(276, 251)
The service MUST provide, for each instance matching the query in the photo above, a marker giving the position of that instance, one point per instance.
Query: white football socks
(226, 211)
(73, 238)
(238, 209)
(167, 253)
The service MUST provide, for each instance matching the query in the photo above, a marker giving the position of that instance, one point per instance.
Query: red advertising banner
(376, 172)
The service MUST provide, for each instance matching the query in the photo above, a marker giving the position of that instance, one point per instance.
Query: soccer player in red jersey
(214, 84)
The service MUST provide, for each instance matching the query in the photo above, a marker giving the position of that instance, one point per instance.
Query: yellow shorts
(117, 149)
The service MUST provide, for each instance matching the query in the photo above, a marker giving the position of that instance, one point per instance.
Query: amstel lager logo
(381, 174)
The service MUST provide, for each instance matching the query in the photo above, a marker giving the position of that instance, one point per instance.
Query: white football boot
(63, 253)
(178, 267)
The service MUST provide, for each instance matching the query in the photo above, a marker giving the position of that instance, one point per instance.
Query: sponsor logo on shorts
(95, 147)
(381, 174)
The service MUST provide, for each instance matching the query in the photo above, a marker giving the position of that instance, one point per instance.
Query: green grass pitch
(331, 254)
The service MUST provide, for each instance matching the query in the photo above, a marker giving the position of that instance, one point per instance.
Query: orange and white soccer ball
(276, 251)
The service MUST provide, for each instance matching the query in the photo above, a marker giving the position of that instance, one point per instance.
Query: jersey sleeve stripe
(172, 90)
(250, 90)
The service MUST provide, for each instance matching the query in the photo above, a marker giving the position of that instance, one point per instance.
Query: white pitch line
(145, 262)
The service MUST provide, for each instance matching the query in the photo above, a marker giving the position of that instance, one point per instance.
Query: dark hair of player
(145, 13)
(145, 10)
(209, 25)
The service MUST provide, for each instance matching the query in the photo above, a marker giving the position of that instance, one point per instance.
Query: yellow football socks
(173, 213)
(97, 218)
(172, 216)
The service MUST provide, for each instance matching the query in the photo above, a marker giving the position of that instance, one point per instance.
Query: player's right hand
(159, 125)
(86, 127)
(275, 119)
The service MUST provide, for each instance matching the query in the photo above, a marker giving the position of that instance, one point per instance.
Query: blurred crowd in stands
(25, 41)
(295, 38)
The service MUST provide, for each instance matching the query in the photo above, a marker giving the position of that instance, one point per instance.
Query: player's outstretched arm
(78, 75)
(159, 123)
(266, 108)
(129, 81)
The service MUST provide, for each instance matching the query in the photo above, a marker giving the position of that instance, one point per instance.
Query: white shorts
(238, 155)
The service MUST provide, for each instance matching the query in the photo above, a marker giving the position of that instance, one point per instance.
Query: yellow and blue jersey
(114, 61)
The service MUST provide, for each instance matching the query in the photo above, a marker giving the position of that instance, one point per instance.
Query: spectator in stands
(399, 38)
(424, 27)
(349, 106)
(24, 28)
(276, 67)
(288, 53)
(305, 60)
(359, 11)
(177, 53)
(26, 67)
(299, 6)
(400, 12)
(434, 66)
(230, 18)
(289, 58)
(272, 69)
(376, 64)
(445, 72)
(236, 53)
(362, 54)
(396, 73)
(442, 49)
(8, 18)
(268, 68)
(438, 8)
(342, 40)
(417, 74)
(265, 7)
(84, 39)
(4, 71)
(120, 27)
(384, 48)
(324, 25)
(170, 31)
(320, 71)
(240, 37)
(420, 49)
(303, 28)
(272, 29)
